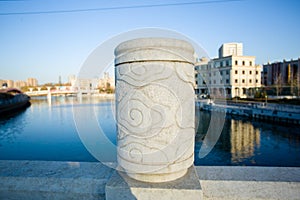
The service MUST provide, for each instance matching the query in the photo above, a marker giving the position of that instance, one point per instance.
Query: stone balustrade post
(155, 108)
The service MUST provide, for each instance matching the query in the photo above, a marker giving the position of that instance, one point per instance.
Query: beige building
(20, 84)
(2, 82)
(229, 75)
(10, 83)
(32, 82)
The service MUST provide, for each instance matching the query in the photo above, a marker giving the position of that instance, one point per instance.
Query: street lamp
(266, 99)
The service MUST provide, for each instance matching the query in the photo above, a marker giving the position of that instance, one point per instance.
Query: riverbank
(86, 180)
(254, 110)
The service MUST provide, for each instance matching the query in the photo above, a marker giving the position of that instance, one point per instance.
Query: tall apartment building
(19, 84)
(230, 75)
(2, 82)
(32, 82)
(10, 83)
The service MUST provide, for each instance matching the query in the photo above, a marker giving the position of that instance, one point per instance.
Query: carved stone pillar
(155, 108)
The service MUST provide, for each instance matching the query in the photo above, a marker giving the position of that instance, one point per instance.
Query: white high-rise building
(230, 75)
(231, 49)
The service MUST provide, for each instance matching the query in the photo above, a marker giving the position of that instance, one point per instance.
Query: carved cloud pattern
(152, 125)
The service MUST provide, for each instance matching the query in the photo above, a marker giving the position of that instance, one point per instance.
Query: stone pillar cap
(154, 49)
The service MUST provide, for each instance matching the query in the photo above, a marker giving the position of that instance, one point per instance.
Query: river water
(52, 130)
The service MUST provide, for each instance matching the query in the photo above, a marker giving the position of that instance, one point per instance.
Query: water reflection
(244, 139)
(96, 128)
(48, 132)
(11, 126)
(244, 142)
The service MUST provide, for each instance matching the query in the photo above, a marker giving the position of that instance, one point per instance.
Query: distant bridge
(60, 90)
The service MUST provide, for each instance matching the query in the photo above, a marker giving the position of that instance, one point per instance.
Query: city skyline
(71, 79)
(48, 45)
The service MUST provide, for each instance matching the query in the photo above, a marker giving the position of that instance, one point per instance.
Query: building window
(243, 72)
(250, 72)
(203, 83)
(221, 64)
(227, 63)
(250, 80)
(256, 81)
(243, 63)
(236, 62)
(214, 73)
(236, 81)
(236, 71)
(256, 72)
(228, 91)
(244, 90)
(214, 81)
(227, 72)
(196, 75)
(209, 74)
(221, 72)
(196, 82)
(209, 82)
(221, 81)
(227, 81)
(250, 63)
(243, 81)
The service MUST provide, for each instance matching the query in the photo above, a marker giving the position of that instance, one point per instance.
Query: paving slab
(120, 186)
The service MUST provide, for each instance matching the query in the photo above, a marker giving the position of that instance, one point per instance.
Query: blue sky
(47, 46)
